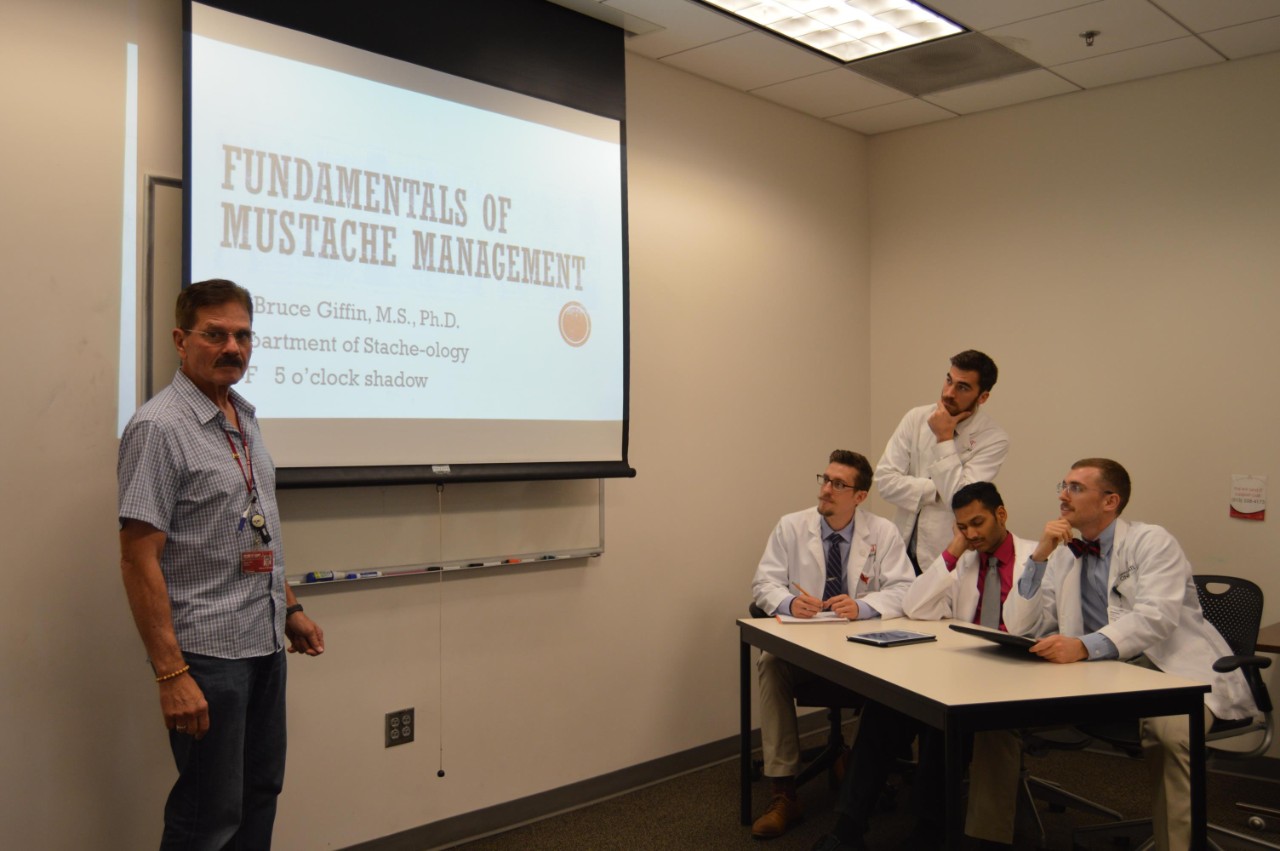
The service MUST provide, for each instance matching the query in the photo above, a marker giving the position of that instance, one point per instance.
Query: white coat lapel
(1118, 552)
(861, 563)
(817, 554)
(1070, 614)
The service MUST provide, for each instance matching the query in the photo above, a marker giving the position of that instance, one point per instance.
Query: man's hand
(184, 706)
(805, 606)
(959, 543)
(844, 606)
(1061, 649)
(1055, 532)
(305, 635)
(943, 424)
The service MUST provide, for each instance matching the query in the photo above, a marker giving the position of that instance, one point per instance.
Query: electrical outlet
(400, 727)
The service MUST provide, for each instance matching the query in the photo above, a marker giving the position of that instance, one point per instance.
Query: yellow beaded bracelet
(176, 673)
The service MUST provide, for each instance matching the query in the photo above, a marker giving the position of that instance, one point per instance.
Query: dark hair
(983, 492)
(1115, 478)
(972, 360)
(209, 294)
(857, 462)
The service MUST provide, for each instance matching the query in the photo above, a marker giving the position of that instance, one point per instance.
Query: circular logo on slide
(575, 323)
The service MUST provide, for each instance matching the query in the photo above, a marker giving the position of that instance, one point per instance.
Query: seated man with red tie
(858, 564)
(971, 581)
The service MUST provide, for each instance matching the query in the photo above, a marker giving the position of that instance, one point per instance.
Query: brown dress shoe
(783, 812)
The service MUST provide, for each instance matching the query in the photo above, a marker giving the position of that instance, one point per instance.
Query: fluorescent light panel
(844, 29)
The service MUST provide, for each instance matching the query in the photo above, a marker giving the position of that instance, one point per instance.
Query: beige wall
(749, 362)
(1116, 252)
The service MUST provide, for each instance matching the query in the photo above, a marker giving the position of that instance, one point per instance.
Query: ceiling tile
(1246, 39)
(683, 25)
(749, 61)
(1122, 24)
(830, 93)
(1147, 61)
(1201, 16)
(985, 14)
(1019, 88)
(893, 116)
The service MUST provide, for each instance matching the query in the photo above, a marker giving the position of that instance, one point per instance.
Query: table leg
(744, 676)
(1199, 806)
(953, 820)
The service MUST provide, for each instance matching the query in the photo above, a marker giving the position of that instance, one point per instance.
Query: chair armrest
(1251, 666)
(1230, 663)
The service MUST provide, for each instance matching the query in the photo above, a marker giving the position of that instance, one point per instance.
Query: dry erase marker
(545, 558)
(362, 574)
(319, 576)
(511, 561)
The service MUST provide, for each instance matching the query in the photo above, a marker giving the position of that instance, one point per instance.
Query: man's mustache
(230, 360)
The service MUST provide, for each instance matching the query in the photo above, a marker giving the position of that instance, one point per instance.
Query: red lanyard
(248, 459)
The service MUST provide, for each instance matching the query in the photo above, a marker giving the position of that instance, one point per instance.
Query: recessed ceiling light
(844, 29)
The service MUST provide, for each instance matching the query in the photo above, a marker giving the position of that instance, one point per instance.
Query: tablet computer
(1004, 639)
(891, 637)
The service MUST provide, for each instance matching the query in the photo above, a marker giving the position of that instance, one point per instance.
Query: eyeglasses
(836, 485)
(243, 339)
(1075, 488)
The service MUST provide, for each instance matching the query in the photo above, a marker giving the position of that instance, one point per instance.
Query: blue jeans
(228, 782)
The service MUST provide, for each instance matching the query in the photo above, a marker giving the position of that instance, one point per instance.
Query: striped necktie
(835, 568)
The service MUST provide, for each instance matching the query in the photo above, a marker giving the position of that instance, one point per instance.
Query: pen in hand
(807, 614)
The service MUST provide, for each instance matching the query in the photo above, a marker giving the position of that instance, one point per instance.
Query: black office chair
(835, 699)
(1234, 607)
(1059, 799)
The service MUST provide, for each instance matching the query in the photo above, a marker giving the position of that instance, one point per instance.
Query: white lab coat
(877, 565)
(1152, 609)
(919, 475)
(940, 593)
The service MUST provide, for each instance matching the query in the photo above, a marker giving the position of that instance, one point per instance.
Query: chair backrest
(1234, 607)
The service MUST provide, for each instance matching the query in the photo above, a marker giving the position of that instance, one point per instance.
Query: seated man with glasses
(836, 561)
(1124, 590)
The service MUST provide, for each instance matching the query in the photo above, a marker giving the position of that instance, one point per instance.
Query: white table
(961, 684)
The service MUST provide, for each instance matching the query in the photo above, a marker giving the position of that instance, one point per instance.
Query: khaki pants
(994, 774)
(1166, 744)
(779, 729)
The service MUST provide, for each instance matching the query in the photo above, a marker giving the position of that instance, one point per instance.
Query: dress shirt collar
(1004, 552)
(1105, 541)
(202, 405)
(846, 534)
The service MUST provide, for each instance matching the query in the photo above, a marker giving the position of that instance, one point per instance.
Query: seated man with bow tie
(970, 581)
(858, 565)
(1126, 592)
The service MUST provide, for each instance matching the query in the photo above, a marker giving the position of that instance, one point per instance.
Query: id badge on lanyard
(252, 561)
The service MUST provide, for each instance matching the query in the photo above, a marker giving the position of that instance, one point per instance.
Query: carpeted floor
(700, 811)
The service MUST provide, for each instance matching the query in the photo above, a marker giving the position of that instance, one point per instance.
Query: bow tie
(1080, 547)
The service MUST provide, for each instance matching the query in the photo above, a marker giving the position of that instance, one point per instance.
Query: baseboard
(467, 827)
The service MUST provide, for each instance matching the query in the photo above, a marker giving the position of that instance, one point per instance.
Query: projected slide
(437, 265)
